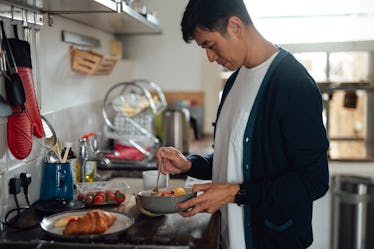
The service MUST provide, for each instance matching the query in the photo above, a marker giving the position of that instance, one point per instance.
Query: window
(347, 90)
(299, 21)
(338, 67)
(349, 66)
(315, 63)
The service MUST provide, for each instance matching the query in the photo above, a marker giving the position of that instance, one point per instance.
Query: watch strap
(241, 197)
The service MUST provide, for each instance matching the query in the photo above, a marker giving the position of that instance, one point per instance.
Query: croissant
(93, 222)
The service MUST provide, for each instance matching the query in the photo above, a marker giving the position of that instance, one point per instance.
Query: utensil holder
(85, 62)
(57, 182)
(106, 66)
(91, 63)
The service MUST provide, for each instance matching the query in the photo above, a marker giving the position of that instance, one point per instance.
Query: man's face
(223, 49)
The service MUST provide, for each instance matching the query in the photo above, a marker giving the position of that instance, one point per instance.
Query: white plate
(122, 223)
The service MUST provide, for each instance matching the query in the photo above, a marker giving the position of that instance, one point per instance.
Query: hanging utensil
(2, 62)
(37, 63)
(50, 139)
(5, 109)
(13, 83)
(26, 28)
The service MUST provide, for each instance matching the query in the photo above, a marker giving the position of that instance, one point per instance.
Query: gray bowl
(163, 204)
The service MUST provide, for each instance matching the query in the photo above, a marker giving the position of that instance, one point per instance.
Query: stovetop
(66, 245)
(170, 231)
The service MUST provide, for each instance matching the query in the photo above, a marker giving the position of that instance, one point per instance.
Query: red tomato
(166, 193)
(110, 198)
(80, 196)
(109, 192)
(88, 200)
(98, 199)
(119, 196)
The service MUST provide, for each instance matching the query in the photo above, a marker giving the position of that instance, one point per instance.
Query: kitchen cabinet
(108, 15)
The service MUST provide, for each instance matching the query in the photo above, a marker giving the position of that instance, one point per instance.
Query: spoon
(52, 157)
(155, 189)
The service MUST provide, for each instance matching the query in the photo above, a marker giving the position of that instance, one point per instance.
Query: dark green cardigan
(285, 162)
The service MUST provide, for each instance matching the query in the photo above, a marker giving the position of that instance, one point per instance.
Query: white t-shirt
(228, 147)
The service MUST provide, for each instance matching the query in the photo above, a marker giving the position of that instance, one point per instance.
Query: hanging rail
(22, 15)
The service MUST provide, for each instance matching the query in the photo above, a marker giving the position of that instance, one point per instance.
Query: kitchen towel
(127, 153)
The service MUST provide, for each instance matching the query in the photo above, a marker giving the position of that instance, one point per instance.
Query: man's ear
(235, 25)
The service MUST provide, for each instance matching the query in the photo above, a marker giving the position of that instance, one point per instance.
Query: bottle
(90, 166)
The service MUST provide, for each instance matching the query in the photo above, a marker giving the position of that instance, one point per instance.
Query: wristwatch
(241, 196)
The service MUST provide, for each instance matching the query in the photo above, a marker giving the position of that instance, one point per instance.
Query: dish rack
(129, 111)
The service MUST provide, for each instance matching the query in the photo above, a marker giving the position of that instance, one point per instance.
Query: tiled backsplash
(69, 124)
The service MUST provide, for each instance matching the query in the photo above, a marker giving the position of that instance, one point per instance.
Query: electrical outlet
(25, 179)
(14, 186)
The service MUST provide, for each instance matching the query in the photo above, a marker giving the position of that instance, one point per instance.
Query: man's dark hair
(211, 15)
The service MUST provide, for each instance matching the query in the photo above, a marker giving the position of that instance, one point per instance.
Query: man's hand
(214, 197)
(174, 162)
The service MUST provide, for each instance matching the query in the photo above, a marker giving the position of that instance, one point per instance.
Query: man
(270, 146)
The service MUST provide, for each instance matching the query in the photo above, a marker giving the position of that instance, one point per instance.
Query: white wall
(166, 59)
(61, 87)
(170, 62)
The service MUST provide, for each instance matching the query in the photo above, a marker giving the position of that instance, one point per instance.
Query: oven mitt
(31, 104)
(22, 125)
(19, 134)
